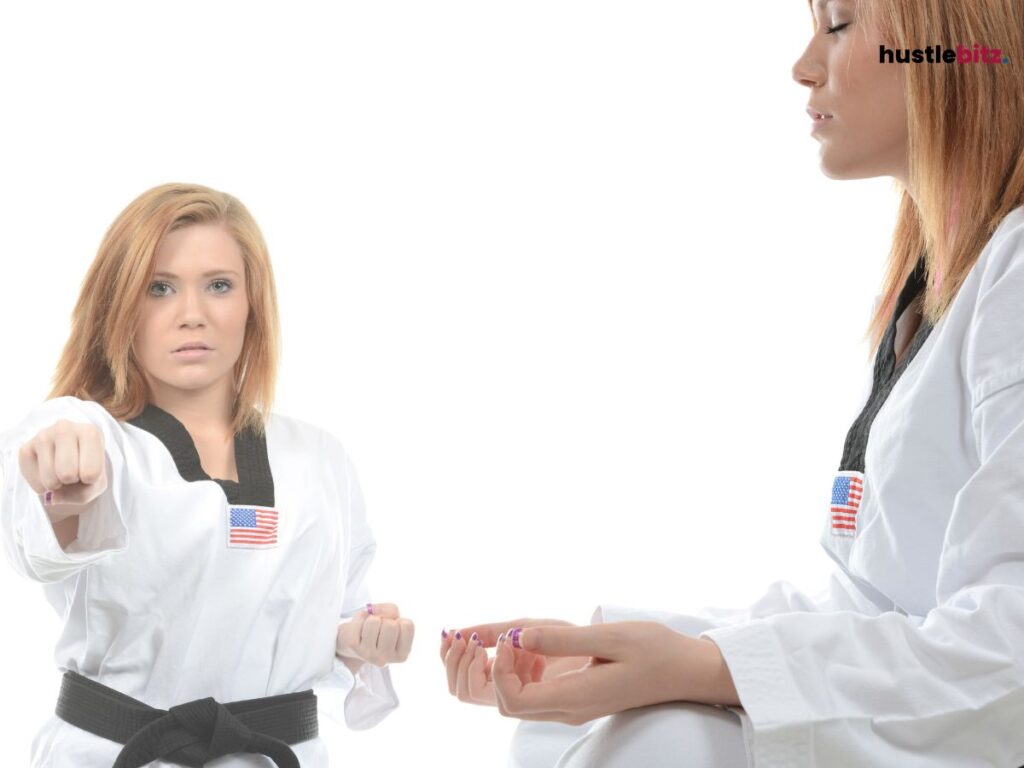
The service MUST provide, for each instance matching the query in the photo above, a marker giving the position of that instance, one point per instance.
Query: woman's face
(867, 133)
(196, 296)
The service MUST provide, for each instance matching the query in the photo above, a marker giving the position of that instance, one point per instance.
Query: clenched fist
(66, 464)
(377, 635)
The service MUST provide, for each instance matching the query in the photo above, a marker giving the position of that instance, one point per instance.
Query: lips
(817, 114)
(192, 345)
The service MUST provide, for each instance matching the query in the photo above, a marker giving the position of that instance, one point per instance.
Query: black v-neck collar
(255, 483)
(886, 372)
(885, 364)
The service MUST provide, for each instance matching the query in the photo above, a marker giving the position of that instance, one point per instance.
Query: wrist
(353, 663)
(713, 680)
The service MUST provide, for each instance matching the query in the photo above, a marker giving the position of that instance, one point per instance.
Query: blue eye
(833, 30)
(225, 283)
(154, 286)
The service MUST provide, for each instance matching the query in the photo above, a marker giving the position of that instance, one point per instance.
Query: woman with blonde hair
(208, 557)
(913, 655)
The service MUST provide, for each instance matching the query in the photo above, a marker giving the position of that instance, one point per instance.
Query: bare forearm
(66, 531)
(712, 681)
(64, 519)
(700, 673)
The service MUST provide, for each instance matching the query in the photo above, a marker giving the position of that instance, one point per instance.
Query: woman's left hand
(632, 664)
(378, 635)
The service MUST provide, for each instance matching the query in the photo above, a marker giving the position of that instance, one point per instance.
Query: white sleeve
(369, 695)
(28, 537)
(842, 688)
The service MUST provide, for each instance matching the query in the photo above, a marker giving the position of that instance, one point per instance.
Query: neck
(202, 412)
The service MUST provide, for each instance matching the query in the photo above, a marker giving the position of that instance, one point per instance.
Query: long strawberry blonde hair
(98, 363)
(966, 142)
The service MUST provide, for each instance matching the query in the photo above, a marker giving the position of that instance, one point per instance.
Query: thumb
(594, 640)
(76, 493)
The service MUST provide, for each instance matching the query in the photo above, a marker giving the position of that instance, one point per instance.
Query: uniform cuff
(357, 701)
(780, 722)
(101, 532)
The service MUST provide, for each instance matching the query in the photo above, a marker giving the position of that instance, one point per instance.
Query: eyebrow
(211, 273)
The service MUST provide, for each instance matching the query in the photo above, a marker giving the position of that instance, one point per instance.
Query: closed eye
(833, 30)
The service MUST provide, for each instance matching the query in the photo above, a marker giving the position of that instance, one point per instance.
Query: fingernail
(444, 634)
(458, 635)
(474, 637)
(515, 637)
(501, 638)
(369, 608)
(48, 498)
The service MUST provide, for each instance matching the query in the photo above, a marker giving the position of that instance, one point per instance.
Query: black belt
(192, 733)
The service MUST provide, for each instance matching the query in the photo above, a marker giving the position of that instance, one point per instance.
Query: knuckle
(67, 477)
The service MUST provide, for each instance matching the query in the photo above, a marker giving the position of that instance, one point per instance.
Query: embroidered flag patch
(252, 527)
(847, 492)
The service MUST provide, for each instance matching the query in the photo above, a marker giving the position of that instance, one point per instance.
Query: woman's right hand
(66, 465)
(468, 665)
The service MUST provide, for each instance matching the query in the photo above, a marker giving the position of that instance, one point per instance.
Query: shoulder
(1003, 255)
(995, 329)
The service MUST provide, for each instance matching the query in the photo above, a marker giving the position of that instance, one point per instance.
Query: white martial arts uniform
(914, 654)
(170, 594)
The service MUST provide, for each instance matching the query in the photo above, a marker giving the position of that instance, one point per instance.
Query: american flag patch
(847, 492)
(252, 527)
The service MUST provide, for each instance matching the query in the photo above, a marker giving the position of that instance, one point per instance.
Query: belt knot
(197, 732)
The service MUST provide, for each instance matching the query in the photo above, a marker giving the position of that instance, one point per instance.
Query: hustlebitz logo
(961, 54)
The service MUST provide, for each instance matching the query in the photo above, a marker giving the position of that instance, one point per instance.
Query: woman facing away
(913, 654)
(201, 550)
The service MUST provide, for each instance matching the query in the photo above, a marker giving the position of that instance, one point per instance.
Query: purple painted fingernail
(515, 637)
(474, 637)
(444, 634)
(501, 638)
(458, 635)
(369, 608)
(48, 498)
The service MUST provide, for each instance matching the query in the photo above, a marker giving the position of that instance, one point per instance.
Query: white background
(564, 277)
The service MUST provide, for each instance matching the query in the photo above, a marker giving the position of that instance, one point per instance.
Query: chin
(834, 166)
(846, 172)
(197, 381)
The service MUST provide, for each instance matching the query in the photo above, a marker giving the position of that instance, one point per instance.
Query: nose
(191, 311)
(808, 69)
